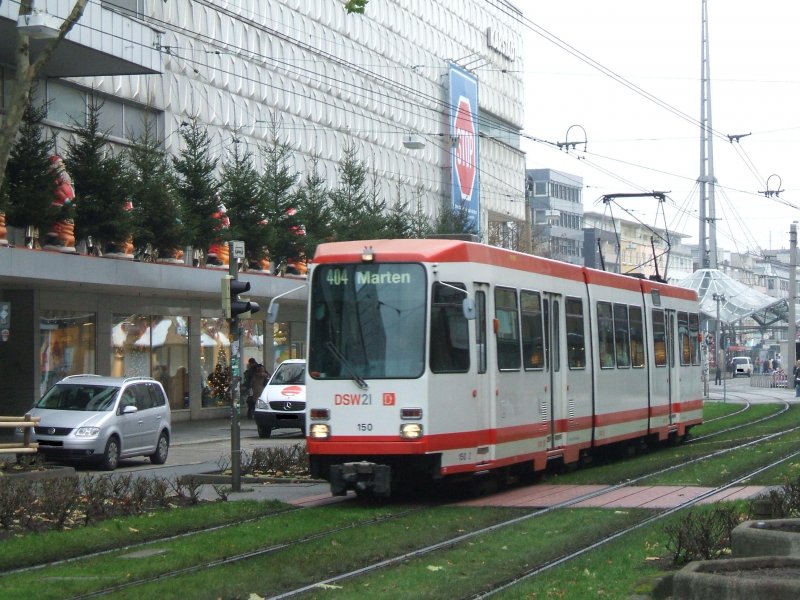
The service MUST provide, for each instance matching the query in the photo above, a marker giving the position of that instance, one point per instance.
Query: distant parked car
(103, 419)
(742, 366)
(282, 404)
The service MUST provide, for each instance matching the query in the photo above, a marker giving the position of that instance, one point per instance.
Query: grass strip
(390, 536)
(713, 413)
(483, 563)
(349, 550)
(736, 463)
(624, 468)
(630, 565)
(32, 549)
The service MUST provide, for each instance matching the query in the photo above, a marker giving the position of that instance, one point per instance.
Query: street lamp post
(720, 298)
(791, 346)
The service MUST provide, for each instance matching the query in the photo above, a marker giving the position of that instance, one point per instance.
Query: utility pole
(707, 249)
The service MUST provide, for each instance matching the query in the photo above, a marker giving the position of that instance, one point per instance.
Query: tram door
(483, 383)
(673, 362)
(551, 305)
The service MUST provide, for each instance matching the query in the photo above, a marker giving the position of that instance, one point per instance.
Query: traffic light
(232, 305)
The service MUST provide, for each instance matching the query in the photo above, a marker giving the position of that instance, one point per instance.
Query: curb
(212, 478)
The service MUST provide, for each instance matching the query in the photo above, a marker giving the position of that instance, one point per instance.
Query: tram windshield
(367, 321)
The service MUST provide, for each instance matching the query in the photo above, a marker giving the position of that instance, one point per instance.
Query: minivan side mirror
(129, 409)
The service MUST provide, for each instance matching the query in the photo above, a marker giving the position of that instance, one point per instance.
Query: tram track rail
(467, 536)
(441, 545)
(565, 504)
(541, 568)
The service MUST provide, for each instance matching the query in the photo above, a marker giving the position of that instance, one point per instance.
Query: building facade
(556, 204)
(325, 81)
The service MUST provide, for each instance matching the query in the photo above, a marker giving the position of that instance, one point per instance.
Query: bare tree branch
(26, 73)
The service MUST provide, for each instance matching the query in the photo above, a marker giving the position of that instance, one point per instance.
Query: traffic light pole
(236, 362)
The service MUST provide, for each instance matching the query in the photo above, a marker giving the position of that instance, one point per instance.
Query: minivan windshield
(79, 397)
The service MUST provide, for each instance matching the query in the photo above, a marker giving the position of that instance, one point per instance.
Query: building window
(215, 363)
(66, 345)
(540, 188)
(66, 104)
(153, 346)
(134, 8)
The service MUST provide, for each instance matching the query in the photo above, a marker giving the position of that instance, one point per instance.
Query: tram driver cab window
(449, 330)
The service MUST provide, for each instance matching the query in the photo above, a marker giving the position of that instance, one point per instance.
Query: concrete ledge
(775, 537)
(39, 474)
(770, 577)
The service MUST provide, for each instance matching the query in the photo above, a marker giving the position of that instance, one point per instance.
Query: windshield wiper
(346, 364)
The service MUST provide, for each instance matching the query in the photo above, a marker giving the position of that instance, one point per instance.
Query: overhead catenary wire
(363, 68)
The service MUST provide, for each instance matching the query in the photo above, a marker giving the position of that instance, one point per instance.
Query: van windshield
(79, 397)
(291, 374)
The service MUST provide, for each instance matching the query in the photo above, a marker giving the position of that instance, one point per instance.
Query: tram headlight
(410, 431)
(319, 431)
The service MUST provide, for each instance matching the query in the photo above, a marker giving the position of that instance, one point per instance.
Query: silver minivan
(103, 419)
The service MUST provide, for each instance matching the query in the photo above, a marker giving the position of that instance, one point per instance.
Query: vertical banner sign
(464, 133)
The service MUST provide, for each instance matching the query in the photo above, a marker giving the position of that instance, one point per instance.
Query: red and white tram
(435, 358)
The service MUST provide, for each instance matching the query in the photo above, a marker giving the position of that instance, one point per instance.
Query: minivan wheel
(159, 457)
(110, 458)
(264, 431)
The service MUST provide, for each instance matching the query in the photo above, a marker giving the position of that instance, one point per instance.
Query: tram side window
(532, 337)
(622, 335)
(605, 335)
(637, 337)
(683, 336)
(508, 347)
(576, 340)
(659, 338)
(449, 330)
(694, 339)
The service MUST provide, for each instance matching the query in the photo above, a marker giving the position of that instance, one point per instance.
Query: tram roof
(454, 250)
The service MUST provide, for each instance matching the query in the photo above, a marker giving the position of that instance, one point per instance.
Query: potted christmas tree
(102, 183)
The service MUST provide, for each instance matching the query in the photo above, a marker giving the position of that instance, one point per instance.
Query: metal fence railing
(776, 379)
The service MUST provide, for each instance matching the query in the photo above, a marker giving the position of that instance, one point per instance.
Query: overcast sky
(636, 145)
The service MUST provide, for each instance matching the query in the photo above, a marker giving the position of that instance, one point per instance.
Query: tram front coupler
(364, 478)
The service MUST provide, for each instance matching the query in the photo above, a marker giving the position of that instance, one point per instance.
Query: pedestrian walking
(246, 390)
(257, 382)
(797, 379)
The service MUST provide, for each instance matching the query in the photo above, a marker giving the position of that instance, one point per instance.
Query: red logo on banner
(466, 156)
